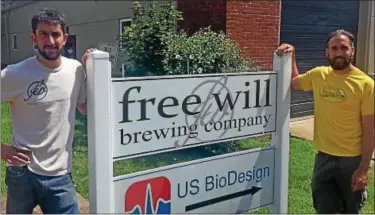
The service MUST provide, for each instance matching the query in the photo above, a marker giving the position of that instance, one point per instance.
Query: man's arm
(295, 73)
(360, 176)
(81, 103)
(367, 141)
(367, 112)
(298, 82)
(82, 106)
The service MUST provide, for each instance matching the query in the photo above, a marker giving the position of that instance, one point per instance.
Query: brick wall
(254, 25)
(202, 13)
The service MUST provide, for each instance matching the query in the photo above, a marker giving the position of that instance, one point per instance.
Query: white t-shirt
(43, 105)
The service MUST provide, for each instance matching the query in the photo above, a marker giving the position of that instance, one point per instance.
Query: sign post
(280, 138)
(134, 117)
(99, 132)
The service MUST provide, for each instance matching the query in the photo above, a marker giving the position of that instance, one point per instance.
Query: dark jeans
(331, 185)
(53, 194)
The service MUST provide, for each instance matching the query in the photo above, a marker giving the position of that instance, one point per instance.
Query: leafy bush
(204, 52)
(145, 40)
(155, 46)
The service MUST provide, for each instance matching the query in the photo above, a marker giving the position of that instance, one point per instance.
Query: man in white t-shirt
(43, 93)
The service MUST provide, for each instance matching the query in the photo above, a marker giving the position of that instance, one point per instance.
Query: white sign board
(112, 49)
(243, 182)
(130, 117)
(164, 113)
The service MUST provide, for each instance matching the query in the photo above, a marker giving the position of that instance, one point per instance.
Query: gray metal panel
(91, 21)
(306, 24)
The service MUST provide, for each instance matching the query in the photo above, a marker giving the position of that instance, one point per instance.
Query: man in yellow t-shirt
(344, 125)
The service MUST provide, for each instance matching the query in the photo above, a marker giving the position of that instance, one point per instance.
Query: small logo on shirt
(333, 94)
(38, 89)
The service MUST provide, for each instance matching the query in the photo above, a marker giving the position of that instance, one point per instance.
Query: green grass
(301, 165)
(6, 131)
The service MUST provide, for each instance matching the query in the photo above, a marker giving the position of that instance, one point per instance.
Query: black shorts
(331, 185)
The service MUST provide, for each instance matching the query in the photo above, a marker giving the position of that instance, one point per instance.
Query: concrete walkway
(302, 127)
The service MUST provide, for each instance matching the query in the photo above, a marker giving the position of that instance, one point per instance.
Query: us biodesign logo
(151, 196)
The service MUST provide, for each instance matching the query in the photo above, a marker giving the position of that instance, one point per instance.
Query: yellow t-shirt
(340, 102)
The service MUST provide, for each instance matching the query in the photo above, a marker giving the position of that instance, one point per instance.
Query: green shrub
(155, 46)
(204, 52)
(145, 40)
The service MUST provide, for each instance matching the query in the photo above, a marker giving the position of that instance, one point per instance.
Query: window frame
(14, 42)
(121, 21)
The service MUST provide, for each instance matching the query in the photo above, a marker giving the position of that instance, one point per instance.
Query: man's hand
(284, 48)
(84, 57)
(359, 179)
(287, 48)
(82, 108)
(14, 156)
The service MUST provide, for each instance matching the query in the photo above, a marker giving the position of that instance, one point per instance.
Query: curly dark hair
(50, 16)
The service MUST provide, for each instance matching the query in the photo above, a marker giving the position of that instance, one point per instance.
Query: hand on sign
(284, 48)
(84, 57)
(14, 156)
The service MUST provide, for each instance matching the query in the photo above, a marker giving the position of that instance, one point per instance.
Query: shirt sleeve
(304, 80)
(82, 89)
(367, 105)
(9, 84)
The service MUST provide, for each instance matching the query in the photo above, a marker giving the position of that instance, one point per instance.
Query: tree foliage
(145, 40)
(155, 45)
(206, 52)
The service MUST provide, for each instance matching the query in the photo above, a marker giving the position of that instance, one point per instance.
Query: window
(123, 24)
(3, 42)
(14, 41)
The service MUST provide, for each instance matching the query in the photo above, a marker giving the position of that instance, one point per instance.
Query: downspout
(7, 35)
(368, 39)
(362, 49)
(371, 53)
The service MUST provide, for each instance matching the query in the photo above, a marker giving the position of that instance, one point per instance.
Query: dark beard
(48, 57)
(345, 64)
